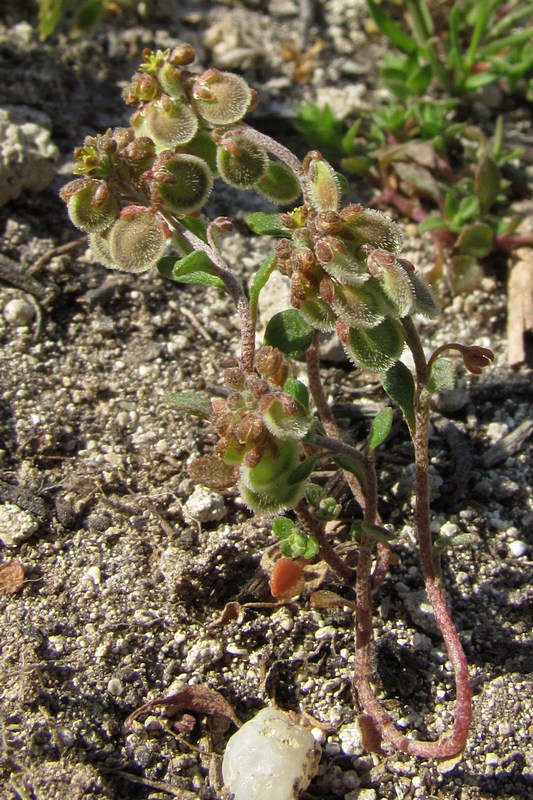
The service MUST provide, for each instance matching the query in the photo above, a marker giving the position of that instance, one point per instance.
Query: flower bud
(222, 98)
(141, 153)
(142, 89)
(182, 55)
(476, 358)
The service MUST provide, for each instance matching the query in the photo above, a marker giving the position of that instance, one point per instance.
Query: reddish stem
(377, 721)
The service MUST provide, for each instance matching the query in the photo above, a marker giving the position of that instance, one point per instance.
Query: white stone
(517, 548)
(18, 312)
(270, 758)
(16, 525)
(205, 506)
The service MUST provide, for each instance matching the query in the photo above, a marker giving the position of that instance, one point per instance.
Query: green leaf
(90, 13)
(259, 281)
(319, 124)
(283, 527)
(487, 183)
(299, 545)
(289, 332)
(351, 465)
(190, 403)
(476, 240)
(50, 12)
(468, 208)
(266, 224)
(466, 273)
(298, 391)
(399, 384)
(194, 268)
(443, 377)
(279, 184)
(479, 79)
(466, 539)
(393, 33)
(374, 532)
(376, 349)
(380, 428)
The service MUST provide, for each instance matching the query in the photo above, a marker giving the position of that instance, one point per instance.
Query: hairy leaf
(289, 332)
(399, 384)
(380, 428)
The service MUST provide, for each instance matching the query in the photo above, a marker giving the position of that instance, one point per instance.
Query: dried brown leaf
(198, 699)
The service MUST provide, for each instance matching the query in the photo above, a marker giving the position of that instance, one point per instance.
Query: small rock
(419, 608)
(203, 654)
(270, 758)
(18, 312)
(517, 548)
(351, 739)
(205, 506)
(16, 525)
(27, 154)
(115, 687)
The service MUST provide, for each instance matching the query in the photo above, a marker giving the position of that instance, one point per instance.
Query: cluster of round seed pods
(346, 275)
(186, 131)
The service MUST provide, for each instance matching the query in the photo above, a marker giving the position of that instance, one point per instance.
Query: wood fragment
(509, 445)
(520, 307)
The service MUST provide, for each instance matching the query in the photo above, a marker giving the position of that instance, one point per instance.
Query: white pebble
(16, 525)
(517, 548)
(270, 758)
(115, 687)
(18, 312)
(205, 506)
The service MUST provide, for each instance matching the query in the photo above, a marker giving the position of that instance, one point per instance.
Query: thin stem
(235, 290)
(450, 744)
(316, 387)
(281, 152)
(327, 552)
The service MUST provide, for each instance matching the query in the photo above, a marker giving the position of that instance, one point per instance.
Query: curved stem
(234, 289)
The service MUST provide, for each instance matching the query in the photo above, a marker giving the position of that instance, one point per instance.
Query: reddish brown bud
(182, 55)
(476, 358)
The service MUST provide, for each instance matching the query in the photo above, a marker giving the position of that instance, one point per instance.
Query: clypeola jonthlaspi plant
(139, 195)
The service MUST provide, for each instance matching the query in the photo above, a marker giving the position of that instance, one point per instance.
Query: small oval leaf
(381, 427)
(289, 332)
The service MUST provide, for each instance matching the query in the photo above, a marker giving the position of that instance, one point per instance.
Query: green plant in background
(461, 46)
(140, 195)
(85, 13)
(423, 158)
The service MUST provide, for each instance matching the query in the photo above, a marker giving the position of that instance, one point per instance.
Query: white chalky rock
(270, 758)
